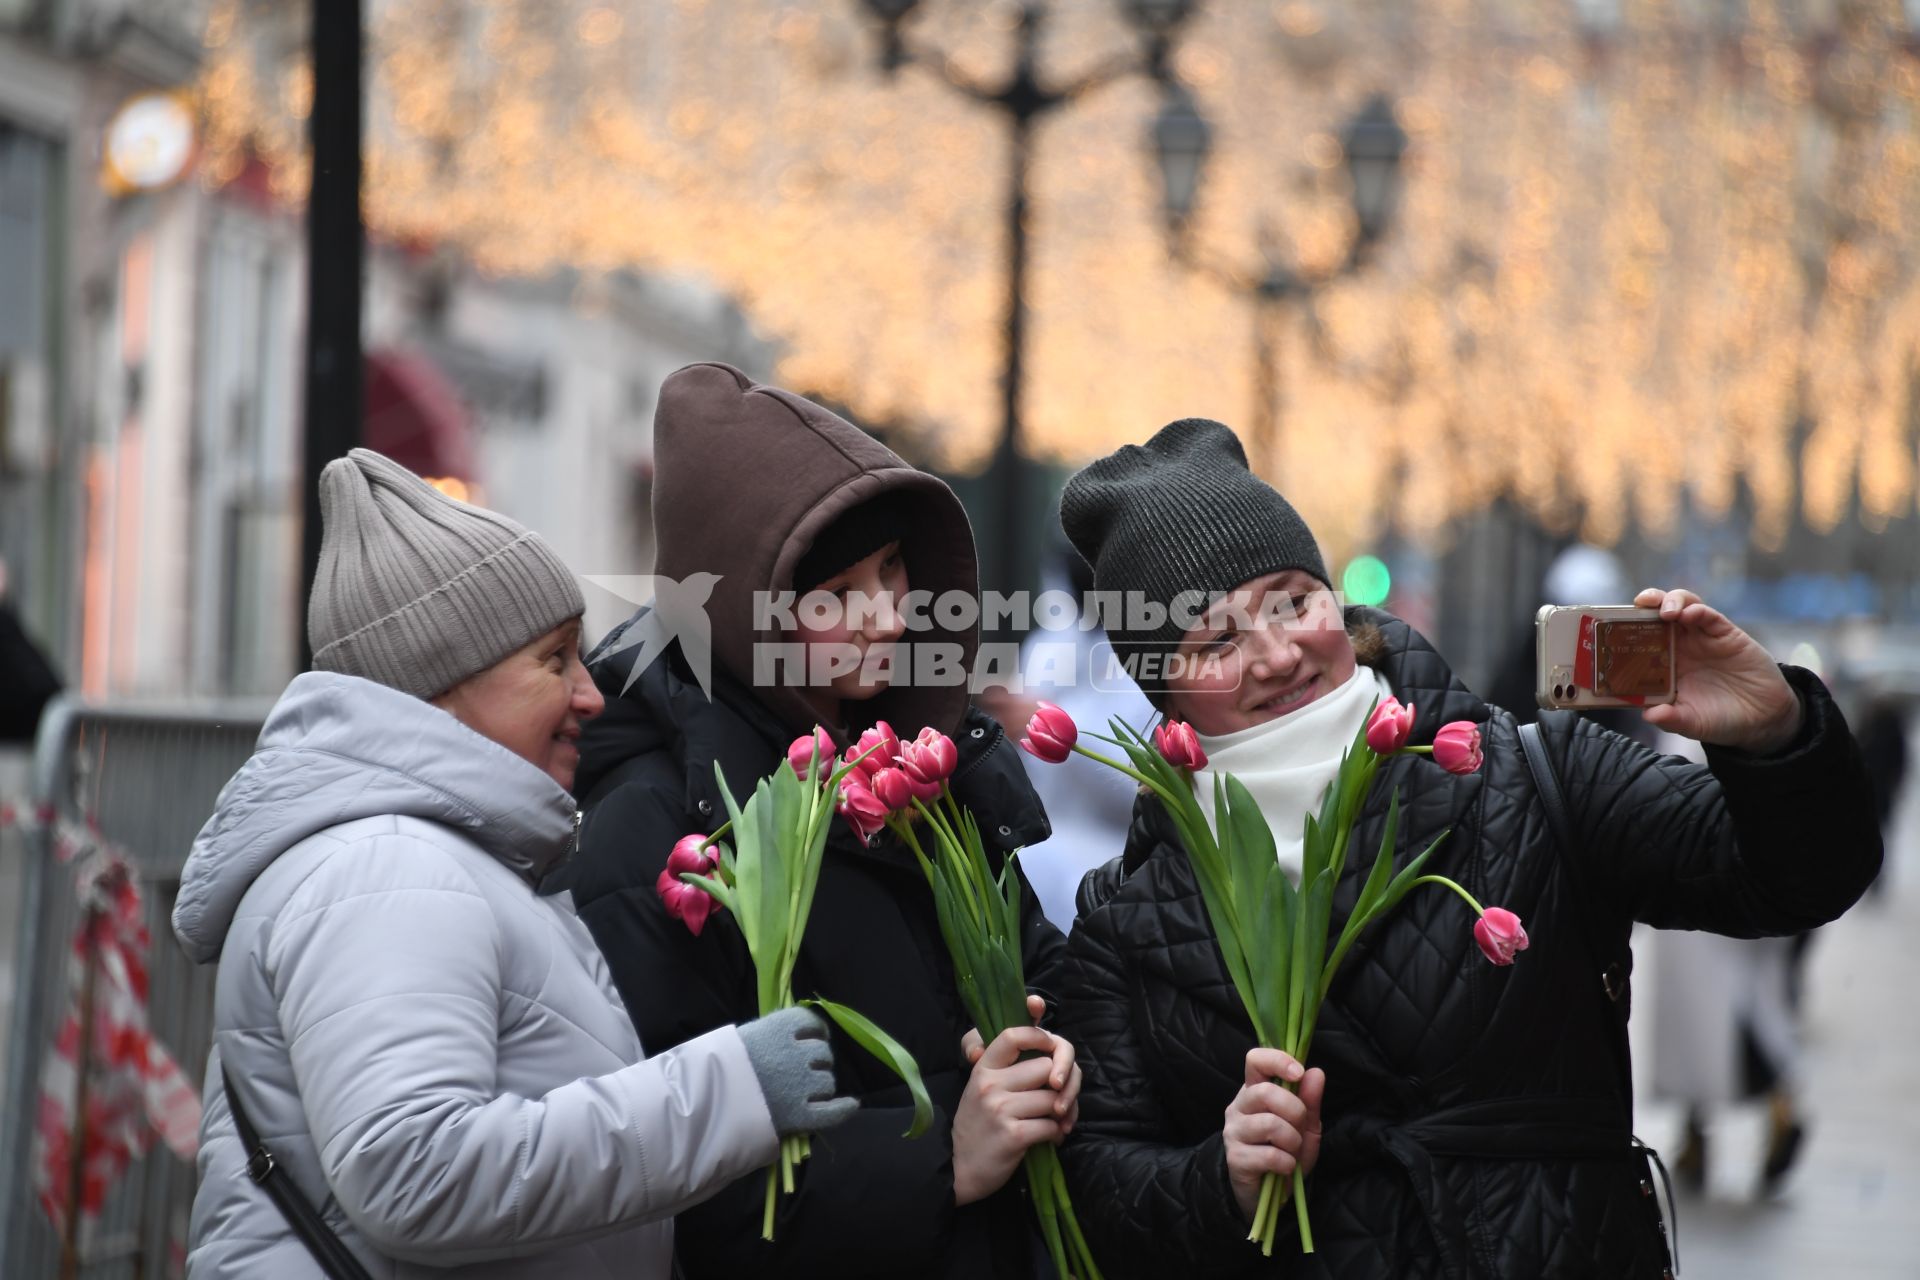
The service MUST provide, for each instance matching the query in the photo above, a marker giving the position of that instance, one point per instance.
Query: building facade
(151, 344)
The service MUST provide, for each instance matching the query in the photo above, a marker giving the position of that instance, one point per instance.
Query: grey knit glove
(790, 1054)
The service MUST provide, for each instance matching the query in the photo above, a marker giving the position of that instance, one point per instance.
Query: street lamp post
(1373, 145)
(330, 417)
(1023, 101)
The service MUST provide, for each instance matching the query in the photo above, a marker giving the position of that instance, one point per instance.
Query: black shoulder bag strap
(1615, 968)
(335, 1259)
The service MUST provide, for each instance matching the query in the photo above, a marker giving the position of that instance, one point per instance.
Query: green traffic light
(1366, 581)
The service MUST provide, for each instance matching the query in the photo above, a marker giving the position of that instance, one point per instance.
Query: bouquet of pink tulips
(767, 881)
(898, 785)
(1273, 935)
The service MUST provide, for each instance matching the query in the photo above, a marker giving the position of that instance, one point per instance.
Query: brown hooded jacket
(746, 476)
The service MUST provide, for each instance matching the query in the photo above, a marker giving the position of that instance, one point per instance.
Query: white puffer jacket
(434, 1052)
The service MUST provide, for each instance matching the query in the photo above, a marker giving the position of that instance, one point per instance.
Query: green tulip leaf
(868, 1035)
(1382, 872)
(711, 886)
(746, 868)
(1254, 852)
(1408, 874)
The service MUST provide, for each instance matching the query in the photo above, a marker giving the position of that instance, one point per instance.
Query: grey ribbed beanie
(417, 591)
(1181, 514)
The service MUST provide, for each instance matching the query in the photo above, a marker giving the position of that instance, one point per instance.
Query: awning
(416, 417)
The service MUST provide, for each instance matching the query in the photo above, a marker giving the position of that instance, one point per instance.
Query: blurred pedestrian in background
(1717, 1036)
(1883, 741)
(431, 1052)
(27, 679)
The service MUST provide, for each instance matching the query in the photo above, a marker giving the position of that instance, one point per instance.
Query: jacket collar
(1420, 675)
(336, 749)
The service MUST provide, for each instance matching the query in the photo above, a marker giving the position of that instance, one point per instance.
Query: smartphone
(1602, 656)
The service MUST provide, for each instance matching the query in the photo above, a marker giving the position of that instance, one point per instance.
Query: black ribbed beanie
(1180, 515)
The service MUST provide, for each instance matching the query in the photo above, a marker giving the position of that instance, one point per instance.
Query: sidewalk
(1850, 1210)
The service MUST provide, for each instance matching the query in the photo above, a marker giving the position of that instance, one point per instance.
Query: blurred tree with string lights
(1649, 258)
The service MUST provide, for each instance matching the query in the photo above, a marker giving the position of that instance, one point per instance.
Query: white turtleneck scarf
(1286, 764)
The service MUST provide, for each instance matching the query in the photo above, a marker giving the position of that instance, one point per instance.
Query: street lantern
(1374, 144)
(1157, 18)
(890, 14)
(1181, 139)
(1022, 100)
(891, 11)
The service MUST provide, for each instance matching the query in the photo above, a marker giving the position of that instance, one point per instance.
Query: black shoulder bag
(335, 1259)
(1615, 965)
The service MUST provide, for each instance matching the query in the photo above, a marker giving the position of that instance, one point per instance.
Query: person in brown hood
(815, 541)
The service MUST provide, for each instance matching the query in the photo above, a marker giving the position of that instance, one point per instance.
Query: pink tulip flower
(894, 790)
(689, 905)
(1388, 729)
(1180, 745)
(877, 749)
(801, 754)
(1500, 935)
(863, 810)
(929, 760)
(687, 855)
(1051, 734)
(1456, 748)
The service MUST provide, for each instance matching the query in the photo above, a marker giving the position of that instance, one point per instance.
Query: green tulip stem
(1040, 1187)
(935, 822)
(1478, 910)
(955, 822)
(1130, 771)
(901, 827)
(948, 839)
(1087, 1268)
(1263, 1211)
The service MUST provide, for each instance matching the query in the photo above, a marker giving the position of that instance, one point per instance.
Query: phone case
(1602, 656)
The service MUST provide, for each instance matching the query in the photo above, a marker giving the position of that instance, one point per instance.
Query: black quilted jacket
(1477, 1118)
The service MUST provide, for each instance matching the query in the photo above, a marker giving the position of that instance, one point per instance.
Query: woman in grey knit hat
(1460, 1119)
(432, 1054)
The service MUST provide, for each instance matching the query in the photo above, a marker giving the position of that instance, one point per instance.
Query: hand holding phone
(1590, 656)
(1685, 663)
(1728, 690)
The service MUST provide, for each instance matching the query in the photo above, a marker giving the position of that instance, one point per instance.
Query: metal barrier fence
(147, 779)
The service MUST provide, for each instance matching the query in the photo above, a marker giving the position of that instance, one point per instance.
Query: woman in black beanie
(1471, 1120)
